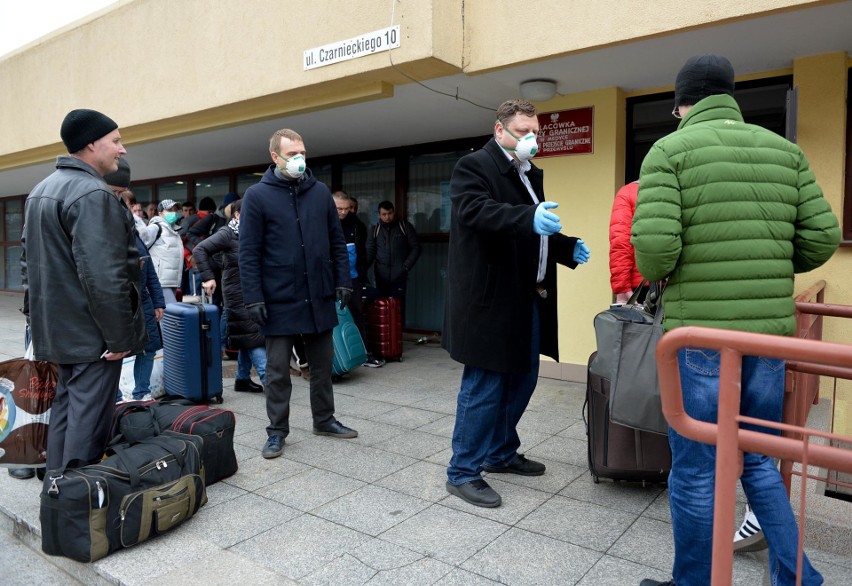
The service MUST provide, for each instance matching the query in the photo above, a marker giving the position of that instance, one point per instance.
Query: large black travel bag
(616, 451)
(139, 491)
(135, 420)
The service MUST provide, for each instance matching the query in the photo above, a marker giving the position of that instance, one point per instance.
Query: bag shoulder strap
(157, 237)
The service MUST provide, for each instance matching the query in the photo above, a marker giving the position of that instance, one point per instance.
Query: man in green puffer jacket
(728, 211)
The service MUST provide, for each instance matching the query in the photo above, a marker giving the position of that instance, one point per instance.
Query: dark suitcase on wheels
(384, 328)
(192, 357)
(619, 452)
(138, 492)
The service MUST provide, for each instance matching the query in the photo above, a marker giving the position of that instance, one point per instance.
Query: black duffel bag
(135, 420)
(139, 491)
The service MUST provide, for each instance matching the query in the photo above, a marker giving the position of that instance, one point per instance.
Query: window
(175, 190)
(213, 187)
(370, 182)
(763, 102)
(428, 197)
(144, 194)
(246, 180)
(10, 255)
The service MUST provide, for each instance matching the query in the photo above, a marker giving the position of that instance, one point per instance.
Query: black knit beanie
(121, 177)
(702, 76)
(82, 127)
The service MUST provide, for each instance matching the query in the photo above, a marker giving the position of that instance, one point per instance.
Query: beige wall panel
(498, 34)
(822, 135)
(148, 60)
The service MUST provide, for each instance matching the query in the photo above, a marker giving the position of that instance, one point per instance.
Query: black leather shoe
(336, 429)
(246, 385)
(476, 492)
(520, 465)
(22, 473)
(649, 582)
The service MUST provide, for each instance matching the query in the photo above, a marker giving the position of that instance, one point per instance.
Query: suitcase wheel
(217, 400)
(596, 479)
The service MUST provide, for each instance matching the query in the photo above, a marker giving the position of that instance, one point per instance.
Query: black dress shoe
(336, 429)
(476, 492)
(649, 582)
(520, 465)
(22, 473)
(246, 385)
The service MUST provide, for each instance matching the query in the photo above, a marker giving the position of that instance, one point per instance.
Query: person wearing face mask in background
(500, 311)
(166, 247)
(294, 269)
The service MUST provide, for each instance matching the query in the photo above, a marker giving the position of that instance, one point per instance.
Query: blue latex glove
(544, 222)
(581, 252)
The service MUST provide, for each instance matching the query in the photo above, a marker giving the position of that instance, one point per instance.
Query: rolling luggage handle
(204, 327)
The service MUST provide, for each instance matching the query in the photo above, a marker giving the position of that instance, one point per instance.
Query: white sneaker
(749, 537)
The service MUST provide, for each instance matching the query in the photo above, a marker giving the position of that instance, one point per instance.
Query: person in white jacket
(166, 247)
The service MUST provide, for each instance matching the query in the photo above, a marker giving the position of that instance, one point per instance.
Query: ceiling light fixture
(538, 90)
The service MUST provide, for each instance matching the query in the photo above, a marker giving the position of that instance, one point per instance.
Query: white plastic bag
(127, 382)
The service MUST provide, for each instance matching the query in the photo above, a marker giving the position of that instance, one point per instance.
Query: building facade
(388, 94)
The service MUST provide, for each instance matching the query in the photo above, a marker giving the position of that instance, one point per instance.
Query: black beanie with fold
(82, 127)
(702, 76)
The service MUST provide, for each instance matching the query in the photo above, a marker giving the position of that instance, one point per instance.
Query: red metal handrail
(803, 378)
(726, 435)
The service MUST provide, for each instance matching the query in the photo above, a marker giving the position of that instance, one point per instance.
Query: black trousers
(81, 413)
(279, 387)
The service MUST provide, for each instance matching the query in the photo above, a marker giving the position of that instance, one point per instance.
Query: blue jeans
(143, 365)
(490, 405)
(246, 358)
(693, 476)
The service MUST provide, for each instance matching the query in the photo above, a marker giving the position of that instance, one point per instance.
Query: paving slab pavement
(374, 510)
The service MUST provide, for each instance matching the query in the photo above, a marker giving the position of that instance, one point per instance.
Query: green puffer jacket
(729, 211)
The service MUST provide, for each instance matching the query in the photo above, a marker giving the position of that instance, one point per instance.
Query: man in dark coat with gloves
(500, 312)
(293, 266)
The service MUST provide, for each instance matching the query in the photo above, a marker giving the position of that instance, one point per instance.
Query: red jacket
(623, 274)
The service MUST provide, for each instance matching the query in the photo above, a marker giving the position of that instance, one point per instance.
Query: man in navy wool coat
(294, 267)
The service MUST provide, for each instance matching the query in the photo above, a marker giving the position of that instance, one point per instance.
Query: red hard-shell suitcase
(384, 328)
(619, 452)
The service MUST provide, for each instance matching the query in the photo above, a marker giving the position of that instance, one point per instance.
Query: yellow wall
(585, 186)
(576, 25)
(822, 82)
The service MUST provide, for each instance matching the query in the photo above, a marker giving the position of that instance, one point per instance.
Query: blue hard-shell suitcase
(192, 358)
(349, 349)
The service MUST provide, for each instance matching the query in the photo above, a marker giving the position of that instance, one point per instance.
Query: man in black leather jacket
(82, 267)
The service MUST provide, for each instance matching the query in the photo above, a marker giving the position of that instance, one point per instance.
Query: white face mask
(295, 166)
(526, 148)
